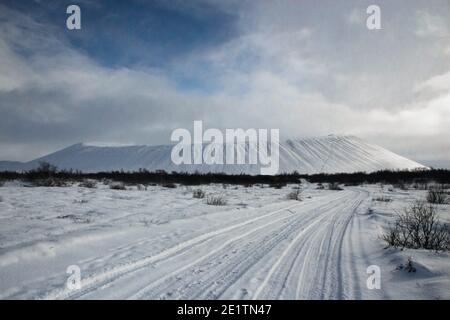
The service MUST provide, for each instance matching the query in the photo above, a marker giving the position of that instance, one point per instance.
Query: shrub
(46, 167)
(383, 199)
(198, 194)
(117, 186)
(88, 184)
(437, 195)
(320, 186)
(50, 182)
(351, 184)
(295, 195)
(216, 201)
(420, 186)
(419, 227)
(141, 187)
(279, 185)
(400, 185)
(169, 185)
(44, 171)
(409, 266)
(334, 186)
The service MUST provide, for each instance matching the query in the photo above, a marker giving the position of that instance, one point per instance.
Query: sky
(137, 70)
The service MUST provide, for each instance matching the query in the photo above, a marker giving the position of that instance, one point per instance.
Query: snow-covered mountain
(329, 154)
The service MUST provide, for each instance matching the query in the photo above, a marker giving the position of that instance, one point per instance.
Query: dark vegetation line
(143, 176)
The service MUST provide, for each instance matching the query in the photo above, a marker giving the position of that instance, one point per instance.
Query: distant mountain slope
(12, 166)
(330, 154)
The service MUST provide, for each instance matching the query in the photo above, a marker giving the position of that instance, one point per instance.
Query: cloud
(356, 17)
(435, 84)
(429, 25)
(281, 70)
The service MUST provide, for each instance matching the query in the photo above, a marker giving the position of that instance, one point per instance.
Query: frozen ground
(164, 244)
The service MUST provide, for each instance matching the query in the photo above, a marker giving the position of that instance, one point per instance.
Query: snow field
(164, 244)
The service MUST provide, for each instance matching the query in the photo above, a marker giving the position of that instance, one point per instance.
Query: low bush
(437, 195)
(383, 199)
(279, 185)
(50, 182)
(88, 184)
(198, 194)
(420, 186)
(117, 186)
(216, 201)
(352, 184)
(408, 267)
(418, 227)
(400, 185)
(334, 186)
(295, 195)
(170, 185)
(141, 187)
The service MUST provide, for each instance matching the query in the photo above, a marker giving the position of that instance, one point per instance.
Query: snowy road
(291, 253)
(163, 244)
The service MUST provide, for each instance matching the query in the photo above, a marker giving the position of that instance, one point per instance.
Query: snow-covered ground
(162, 243)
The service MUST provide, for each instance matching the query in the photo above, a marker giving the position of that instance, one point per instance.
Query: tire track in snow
(101, 279)
(296, 264)
(251, 247)
(226, 269)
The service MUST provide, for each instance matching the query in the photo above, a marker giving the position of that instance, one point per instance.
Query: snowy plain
(161, 243)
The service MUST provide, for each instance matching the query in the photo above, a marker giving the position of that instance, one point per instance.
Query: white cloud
(357, 16)
(429, 25)
(435, 84)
